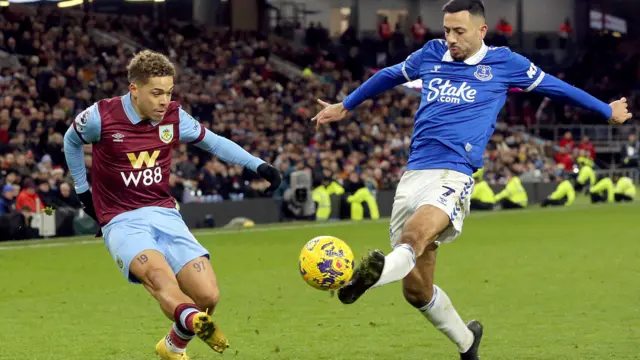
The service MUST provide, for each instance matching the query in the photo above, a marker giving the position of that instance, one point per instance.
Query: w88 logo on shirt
(152, 174)
(445, 91)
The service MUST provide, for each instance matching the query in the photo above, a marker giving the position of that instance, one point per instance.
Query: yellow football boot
(208, 332)
(165, 354)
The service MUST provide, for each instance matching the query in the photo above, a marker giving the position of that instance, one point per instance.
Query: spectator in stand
(176, 188)
(28, 198)
(504, 32)
(45, 194)
(587, 145)
(66, 198)
(311, 37)
(564, 159)
(7, 200)
(384, 32)
(354, 63)
(567, 141)
(631, 152)
(399, 50)
(418, 32)
(566, 30)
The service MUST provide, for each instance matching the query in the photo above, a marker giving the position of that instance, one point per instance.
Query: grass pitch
(547, 284)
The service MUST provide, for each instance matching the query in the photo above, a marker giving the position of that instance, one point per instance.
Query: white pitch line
(203, 233)
(330, 224)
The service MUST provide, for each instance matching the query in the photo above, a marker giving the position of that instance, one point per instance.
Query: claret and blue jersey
(460, 101)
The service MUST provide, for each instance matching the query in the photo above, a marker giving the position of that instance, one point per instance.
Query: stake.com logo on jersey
(444, 91)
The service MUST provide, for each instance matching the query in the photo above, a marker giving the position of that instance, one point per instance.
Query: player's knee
(158, 279)
(209, 300)
(418, 297)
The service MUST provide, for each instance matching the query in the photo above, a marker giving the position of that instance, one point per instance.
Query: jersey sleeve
(191, 131)
(85, 130)
(527, 76)
(386, 79)
(410, 67)
(522, 73)
(87, 125)
(228, 151)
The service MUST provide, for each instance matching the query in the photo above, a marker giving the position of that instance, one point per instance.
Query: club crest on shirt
(166, 133)
(483, 73)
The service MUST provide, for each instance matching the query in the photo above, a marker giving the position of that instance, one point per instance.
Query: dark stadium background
(252, 70)
(547, 283)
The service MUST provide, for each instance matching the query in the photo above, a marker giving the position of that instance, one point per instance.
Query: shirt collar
(472, 60)
(129, 110)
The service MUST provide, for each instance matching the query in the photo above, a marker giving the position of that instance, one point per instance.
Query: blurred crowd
(608, 68)
(225, 81)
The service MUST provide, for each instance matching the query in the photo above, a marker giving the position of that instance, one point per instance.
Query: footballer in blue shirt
(465, 84)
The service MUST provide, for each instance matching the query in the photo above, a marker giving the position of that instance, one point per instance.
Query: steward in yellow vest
(586, 175)
(363, 195)
(602, 191)
(322, 197)
(482, 195)
(565, 194)
(625, 190)
(513, 196)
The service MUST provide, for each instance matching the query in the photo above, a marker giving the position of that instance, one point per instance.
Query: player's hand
(330, 113)
(272, 175)
(87, 200)
(619, 112)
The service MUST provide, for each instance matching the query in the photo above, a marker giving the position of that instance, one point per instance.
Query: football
(326, 263)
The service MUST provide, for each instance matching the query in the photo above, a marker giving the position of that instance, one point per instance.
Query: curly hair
(148, 64)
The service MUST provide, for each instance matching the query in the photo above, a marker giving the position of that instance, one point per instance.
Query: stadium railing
(605, 138)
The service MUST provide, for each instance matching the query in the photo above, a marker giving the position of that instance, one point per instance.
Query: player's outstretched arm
(84, 130)
(526, 75)
(381, 81)
(191, 131)
(616, 112)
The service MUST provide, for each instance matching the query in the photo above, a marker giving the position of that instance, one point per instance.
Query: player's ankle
(177, 339)
(183, 316)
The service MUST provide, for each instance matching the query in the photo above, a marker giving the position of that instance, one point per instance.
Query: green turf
(556, 284)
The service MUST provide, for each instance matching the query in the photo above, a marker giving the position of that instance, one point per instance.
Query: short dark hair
(474, 7)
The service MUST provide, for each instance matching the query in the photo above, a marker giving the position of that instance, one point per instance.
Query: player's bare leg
(198, 280)
(420, 291)
(419, 232)
(152, 270)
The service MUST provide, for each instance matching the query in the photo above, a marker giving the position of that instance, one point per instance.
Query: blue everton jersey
(460, 101)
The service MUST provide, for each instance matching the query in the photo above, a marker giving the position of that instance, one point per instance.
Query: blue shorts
(151, 228)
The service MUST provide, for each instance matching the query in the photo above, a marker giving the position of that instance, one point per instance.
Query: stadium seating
(227, 82)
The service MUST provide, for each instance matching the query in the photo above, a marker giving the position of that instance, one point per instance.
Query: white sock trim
(171, 347)
(181, 334)
(185, 314)
(408, 247)
(433, 300)
(397, 265)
